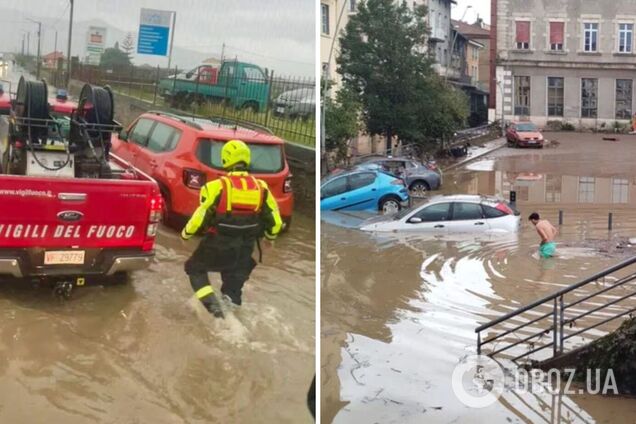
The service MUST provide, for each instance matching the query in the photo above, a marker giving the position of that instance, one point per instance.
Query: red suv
(183, 153)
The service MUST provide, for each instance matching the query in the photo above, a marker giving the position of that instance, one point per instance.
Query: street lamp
(454, 40)
(39, 37)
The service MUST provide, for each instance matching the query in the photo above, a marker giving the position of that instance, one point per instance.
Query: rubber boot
(213, 306)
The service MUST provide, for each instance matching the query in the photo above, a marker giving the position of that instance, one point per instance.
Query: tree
(382, 57)
(342, 121)
(128, 45)
(444, 110)
(114, 58)
(384, 61)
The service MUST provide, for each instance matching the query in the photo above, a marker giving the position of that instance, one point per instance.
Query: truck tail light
(156, 209)
(154, 216)
(287, 186)
(193, 178)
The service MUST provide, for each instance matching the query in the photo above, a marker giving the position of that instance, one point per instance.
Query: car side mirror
(123, 135)
(415, 220)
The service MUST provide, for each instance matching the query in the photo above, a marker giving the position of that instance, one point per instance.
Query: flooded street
(399, 311)
(147, 351)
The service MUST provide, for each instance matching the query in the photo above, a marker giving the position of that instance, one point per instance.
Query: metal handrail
(559, 320)
(559, 293)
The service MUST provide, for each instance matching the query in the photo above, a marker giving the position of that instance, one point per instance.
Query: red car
(183, 153)
(524, 134)
(61, 105)
(5, 101)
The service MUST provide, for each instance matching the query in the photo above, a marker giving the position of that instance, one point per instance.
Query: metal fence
(239, 92)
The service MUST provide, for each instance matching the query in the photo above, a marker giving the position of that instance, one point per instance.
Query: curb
(472, 158)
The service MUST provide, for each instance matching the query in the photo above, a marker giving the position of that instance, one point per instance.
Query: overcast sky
(479, 7)
(275, 33)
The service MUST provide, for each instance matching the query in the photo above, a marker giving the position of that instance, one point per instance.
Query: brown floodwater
(399, 311)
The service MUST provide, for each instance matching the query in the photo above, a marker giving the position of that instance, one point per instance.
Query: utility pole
(68, 52)
(29, 43)
(23, 40)
(38, 63)
(37, 72)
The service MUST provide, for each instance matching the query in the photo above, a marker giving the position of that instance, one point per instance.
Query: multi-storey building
(478, 56)
(566, 60)
(334, 16)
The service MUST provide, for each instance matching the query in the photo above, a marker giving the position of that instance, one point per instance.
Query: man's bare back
(546, 231)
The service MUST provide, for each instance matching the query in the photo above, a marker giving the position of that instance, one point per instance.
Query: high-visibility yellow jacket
(239, 197)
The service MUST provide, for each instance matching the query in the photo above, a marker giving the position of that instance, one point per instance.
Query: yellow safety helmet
(235, 152)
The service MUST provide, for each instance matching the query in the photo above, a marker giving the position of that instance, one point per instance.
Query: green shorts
(547, 250)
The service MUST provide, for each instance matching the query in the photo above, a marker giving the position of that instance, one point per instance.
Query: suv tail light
(287, 186)
(504, 208)
(193, 178)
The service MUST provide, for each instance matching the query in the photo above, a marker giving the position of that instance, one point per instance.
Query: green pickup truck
(243, 85)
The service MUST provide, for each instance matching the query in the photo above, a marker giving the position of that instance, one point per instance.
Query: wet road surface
(399, 311)
(147, 351)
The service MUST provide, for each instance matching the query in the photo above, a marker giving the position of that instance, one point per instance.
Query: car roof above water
(472, 198)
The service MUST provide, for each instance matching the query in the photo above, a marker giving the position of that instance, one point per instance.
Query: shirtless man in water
(547, 232)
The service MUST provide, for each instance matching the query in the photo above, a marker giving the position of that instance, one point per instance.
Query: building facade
(440, 41)
(479, 33)
(565, 60)
(334, 16)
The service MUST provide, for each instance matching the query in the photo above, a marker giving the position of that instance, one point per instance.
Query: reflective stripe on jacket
(235, 198)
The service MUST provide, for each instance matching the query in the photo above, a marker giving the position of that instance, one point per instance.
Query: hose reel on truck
(34, 143)
(36, 146)
(91, 127)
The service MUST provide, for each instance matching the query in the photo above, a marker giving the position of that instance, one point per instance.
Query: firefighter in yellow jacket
(235, 212)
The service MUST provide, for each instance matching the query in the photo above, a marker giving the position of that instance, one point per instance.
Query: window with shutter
(523, 35)
(557, 36)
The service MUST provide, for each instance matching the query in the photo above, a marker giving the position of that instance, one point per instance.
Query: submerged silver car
(451, 214)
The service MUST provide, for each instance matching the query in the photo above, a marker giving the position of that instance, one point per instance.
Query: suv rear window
(266, 158)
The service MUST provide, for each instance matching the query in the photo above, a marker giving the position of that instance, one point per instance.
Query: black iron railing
(561, 316)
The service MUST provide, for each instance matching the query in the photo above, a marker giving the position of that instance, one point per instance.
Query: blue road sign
(154, 32)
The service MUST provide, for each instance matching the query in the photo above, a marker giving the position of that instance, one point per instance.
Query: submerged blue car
(363, 189)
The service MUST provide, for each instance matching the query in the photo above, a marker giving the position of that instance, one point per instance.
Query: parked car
(419, 178)
(451, 214)
(5, 101)
(524, 134)
(299, 103)
(359, 190)
(182, 153)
